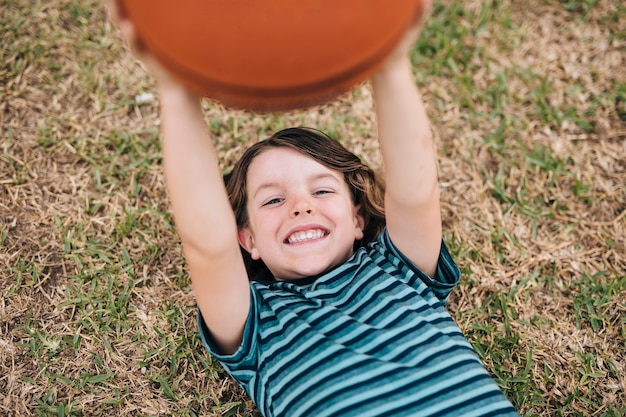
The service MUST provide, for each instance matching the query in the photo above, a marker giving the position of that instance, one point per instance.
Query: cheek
(264, 223)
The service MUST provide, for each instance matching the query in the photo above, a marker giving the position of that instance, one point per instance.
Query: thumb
(117, 15)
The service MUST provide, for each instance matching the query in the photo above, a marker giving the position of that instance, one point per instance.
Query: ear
(246, 240)
(359, 222)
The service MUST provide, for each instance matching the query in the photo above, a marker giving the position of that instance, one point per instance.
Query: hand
(165, 80)
(401, 53)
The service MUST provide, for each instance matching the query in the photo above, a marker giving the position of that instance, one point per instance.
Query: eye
(272, 201)
(323, 191)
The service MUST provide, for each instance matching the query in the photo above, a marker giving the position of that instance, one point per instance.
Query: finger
(120, 19)
(424, 12)
(114, 11)
(128, 31)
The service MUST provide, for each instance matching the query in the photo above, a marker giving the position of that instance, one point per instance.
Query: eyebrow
(263, 187)
(316, 177)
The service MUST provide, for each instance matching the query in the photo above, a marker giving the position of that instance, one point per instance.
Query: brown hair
(366, 186)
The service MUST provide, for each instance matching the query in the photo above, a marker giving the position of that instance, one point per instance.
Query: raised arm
(204, 219)
(412, 207)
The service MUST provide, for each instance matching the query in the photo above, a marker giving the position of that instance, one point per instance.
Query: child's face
(302, 220)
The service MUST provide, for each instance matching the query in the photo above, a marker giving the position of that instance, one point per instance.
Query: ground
(528, 105)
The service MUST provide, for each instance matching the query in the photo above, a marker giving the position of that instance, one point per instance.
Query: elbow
(210, 244)
(414, 195)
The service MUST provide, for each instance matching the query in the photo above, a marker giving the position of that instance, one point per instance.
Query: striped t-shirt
(372, 337)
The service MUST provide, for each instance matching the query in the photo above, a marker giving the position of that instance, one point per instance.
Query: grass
(528, 103)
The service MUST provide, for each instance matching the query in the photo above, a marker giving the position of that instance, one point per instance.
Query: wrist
(395, 71)
(176, 94)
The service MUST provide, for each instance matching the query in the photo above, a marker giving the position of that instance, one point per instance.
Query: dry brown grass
(96, 314)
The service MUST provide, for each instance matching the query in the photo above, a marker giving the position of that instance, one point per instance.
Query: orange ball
(271, 55)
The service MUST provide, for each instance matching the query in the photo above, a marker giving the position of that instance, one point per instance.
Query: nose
(301, 206)
(298, 212)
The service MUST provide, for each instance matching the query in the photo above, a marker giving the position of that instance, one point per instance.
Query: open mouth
(305, 235)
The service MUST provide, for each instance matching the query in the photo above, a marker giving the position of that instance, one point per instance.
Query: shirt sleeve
(446, 277)
(246, 355)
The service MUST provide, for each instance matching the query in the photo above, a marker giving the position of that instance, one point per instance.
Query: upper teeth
(308, 235)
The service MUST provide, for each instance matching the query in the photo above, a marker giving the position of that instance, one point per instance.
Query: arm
(204, 219)
(412, 204)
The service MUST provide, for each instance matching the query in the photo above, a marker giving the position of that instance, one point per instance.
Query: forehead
(282, 165)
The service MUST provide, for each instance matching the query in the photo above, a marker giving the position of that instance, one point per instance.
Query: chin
(302, 272)
(313, 270)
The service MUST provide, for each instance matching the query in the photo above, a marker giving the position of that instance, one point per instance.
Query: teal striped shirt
(372, 337)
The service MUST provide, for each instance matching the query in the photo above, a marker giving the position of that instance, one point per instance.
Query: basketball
(271, 55)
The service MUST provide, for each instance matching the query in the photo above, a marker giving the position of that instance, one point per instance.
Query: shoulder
(447, 276)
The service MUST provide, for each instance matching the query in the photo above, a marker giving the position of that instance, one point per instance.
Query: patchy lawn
(528, 104)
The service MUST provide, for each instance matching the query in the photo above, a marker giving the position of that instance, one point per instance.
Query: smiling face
(301, 217)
